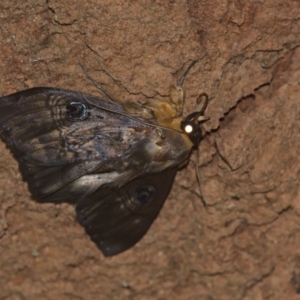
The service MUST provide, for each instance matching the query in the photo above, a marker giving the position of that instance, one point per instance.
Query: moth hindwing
(116, 167)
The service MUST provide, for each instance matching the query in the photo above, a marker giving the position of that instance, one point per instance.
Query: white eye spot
(188, 128)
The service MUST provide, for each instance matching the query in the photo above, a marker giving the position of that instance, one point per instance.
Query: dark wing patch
(116, 219)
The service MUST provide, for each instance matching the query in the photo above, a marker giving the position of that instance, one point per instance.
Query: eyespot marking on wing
(77, 111)
(144, 194)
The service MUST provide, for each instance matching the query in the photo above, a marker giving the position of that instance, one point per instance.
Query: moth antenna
(95, 83)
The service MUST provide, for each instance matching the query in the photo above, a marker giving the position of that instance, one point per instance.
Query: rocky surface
(246, 244)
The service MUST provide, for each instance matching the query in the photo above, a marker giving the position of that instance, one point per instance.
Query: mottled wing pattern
(116, 219)
(52, 150)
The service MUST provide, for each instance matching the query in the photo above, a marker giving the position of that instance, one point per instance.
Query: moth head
(191, 125)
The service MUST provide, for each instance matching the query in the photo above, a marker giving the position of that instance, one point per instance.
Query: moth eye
(144, 194)
(188, 128)
(77, 111)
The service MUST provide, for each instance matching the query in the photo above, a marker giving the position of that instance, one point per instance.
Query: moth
(115, 162)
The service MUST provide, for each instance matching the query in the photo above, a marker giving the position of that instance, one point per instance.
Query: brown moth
(115, 162)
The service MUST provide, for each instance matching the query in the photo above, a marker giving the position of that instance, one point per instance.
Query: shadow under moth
(116, 162)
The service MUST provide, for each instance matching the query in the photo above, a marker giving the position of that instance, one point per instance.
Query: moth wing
(116, 219)
(52, 150)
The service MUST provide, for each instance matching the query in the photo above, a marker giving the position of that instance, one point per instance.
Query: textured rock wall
(246, 244)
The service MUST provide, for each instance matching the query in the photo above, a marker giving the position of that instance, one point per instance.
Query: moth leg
(166, 113)
(139, 109)
(177, 92)
(96, 84)
(177, 97)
